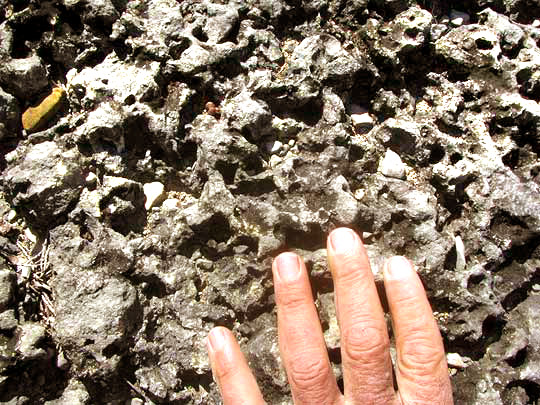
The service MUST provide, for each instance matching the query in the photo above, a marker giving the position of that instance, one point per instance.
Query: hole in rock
(455, 157)
(31, 30)
(492, 330)
(227, 170)
(531, 388)
(482, 43)
(313, 239)
(474, 280)
(436, 153)
(511, 159)
(518, 359)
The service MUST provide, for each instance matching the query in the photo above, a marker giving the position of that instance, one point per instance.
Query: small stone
(170, 204)
(274, 147)
(8, 322)
(392, 166)
(458, 18)
(460, 254)
(61, 362)
(536, 23)
(274, 160)
(359, 194)
(29, 336)
(7, 287)
(455, 360)
(362, 122)
(91, 179)
(155, 194)
(30, 236)
(11, 215)
(137, 401)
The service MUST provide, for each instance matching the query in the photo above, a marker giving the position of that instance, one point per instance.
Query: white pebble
(392, 166)
(30, 236)
(359, 194)
(460, 254)
(274, 160)
(155, 194)
(455, 360)
(362, 122)
(458, 18)
(91, 179)
(275, 147)
(171, 204)
(12, 214)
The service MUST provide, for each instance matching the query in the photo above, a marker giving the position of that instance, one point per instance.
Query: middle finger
(365, 346)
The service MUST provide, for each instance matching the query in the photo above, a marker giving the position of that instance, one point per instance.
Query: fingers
(421, 369)
(365, 347)
(300, 336)
(236, 382)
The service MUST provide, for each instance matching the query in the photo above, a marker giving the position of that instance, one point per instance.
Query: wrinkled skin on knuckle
(366, 344)
(309, 374)
(432, 393)
(226, 371)
(292, 299)
(420, 358)
(352, 271)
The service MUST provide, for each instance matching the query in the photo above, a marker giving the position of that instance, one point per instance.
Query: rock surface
(199, 140)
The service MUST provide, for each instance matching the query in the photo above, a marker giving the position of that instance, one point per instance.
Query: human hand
(421, 370)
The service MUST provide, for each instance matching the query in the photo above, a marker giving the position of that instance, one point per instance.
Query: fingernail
(397, 267)
(288, 266)
(343, 240)
(216, 339)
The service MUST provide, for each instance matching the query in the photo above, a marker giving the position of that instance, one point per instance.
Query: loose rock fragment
(154, 193)
(392, 166)
(35, 118)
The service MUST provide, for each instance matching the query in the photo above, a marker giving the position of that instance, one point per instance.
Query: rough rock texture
(199, 139)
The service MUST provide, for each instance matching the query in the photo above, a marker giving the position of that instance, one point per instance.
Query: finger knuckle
(420, 357)
(293, 299)
(308, 373)
(352, 270)
(366, 343)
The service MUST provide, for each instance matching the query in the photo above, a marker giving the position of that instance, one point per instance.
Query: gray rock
(511, 35)
(45, 182)
(112, 303)
(8, 321)
(29, 337)
(323, 58)
(247, 115)
(74, 394)
(221, 20)
(6, 39)
(469, 47)
(10, 115)
(8, 279)
(94, 11)
(402, 135)
(405, 34)
(24, 78)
